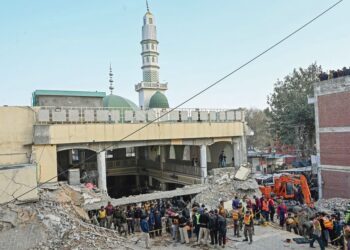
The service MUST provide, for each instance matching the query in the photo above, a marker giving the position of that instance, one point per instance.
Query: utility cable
(194, 96)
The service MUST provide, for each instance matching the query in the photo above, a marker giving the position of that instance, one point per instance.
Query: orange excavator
(289, 187)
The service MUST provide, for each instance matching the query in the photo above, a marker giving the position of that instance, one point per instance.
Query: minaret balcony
(151, 85)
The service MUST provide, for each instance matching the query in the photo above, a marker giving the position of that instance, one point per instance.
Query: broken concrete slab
(17, 181)
(187, 190)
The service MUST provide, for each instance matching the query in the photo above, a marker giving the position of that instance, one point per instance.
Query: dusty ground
(264, 238)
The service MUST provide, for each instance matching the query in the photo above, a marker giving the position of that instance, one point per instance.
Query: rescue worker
(241, 210)
(327, 227)
(265, 209)
(256, 207)
(347, 216)
(222, 210)
(291, 224)
(272, 209)
(102, 216)
(236, 218)
(195, 222)
(317, 233)
(248, 227)
(281, 213)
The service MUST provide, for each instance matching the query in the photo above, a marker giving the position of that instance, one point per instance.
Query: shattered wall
(17, 180)
(16, 134)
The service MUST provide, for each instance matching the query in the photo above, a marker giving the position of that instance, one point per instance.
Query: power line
(194, 96)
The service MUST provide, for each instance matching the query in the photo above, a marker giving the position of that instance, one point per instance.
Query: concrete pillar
(162, 186)
(101, 168)
(203, 162)
(236, 153)
(162, 157)
(239, 151)
(150, 183)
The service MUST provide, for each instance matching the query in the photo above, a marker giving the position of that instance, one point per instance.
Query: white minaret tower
(150, 83)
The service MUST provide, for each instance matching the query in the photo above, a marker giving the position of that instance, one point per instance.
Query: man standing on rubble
(248, 227)
(145, 232)
(102, 216)
(222, 159)
(203, 230)
(109, 212)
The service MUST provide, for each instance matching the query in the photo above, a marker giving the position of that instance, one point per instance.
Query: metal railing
(61, 115)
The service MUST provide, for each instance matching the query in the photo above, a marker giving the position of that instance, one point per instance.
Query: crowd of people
(334, 74)
(198, 224)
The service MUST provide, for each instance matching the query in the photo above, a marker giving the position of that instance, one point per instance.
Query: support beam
(203, 163)
(101, 168)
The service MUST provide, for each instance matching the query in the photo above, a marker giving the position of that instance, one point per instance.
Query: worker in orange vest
(248, 226)
(265, 209)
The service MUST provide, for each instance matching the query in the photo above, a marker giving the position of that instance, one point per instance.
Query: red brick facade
(335, 149)
(334, 110)
(336, 184)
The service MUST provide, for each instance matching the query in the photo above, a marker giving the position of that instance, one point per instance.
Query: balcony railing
(151, 85)
(60, 115)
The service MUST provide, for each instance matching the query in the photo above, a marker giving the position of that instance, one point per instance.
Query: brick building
(332, 117)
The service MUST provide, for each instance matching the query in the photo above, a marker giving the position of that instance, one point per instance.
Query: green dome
(158, 100)
(115, 101)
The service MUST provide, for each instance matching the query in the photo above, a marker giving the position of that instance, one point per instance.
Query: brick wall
(336, 184)
(335, 148)
(334, 110)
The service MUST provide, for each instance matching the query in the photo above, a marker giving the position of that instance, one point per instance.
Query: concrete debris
(222, 185)
(330, 205)
(59, 222)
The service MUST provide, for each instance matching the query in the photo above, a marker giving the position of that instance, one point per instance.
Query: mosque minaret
(151, 91)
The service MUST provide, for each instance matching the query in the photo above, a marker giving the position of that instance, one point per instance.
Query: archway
(216, 149)
(84, 159)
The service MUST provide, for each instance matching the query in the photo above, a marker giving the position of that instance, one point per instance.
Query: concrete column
(101, 168)
(162, 157)
(150, 183)
(203, 162)
(162, 186)
(236, 153)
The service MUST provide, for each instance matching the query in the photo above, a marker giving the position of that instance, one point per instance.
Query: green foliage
(258, 121)
(292, 118)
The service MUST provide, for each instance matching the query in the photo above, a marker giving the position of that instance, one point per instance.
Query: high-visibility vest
(247, 219)
(235, 215)
(222, 211)
(102, 214)
(328, 224)
(265, 206)
(197, 218)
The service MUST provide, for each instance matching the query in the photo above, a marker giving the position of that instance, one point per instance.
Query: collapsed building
(103, 139)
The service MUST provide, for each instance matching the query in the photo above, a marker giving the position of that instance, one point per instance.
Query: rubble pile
(60, 223)
(222, 185)
(329, 205)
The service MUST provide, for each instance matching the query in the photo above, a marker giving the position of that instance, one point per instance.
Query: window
(147, 46)
(152, 58)
(75, 155)
(150, 20)
(130, 152)
(147, 59)
(152, 46)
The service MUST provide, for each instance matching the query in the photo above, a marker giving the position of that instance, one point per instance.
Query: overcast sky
(68, 45)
